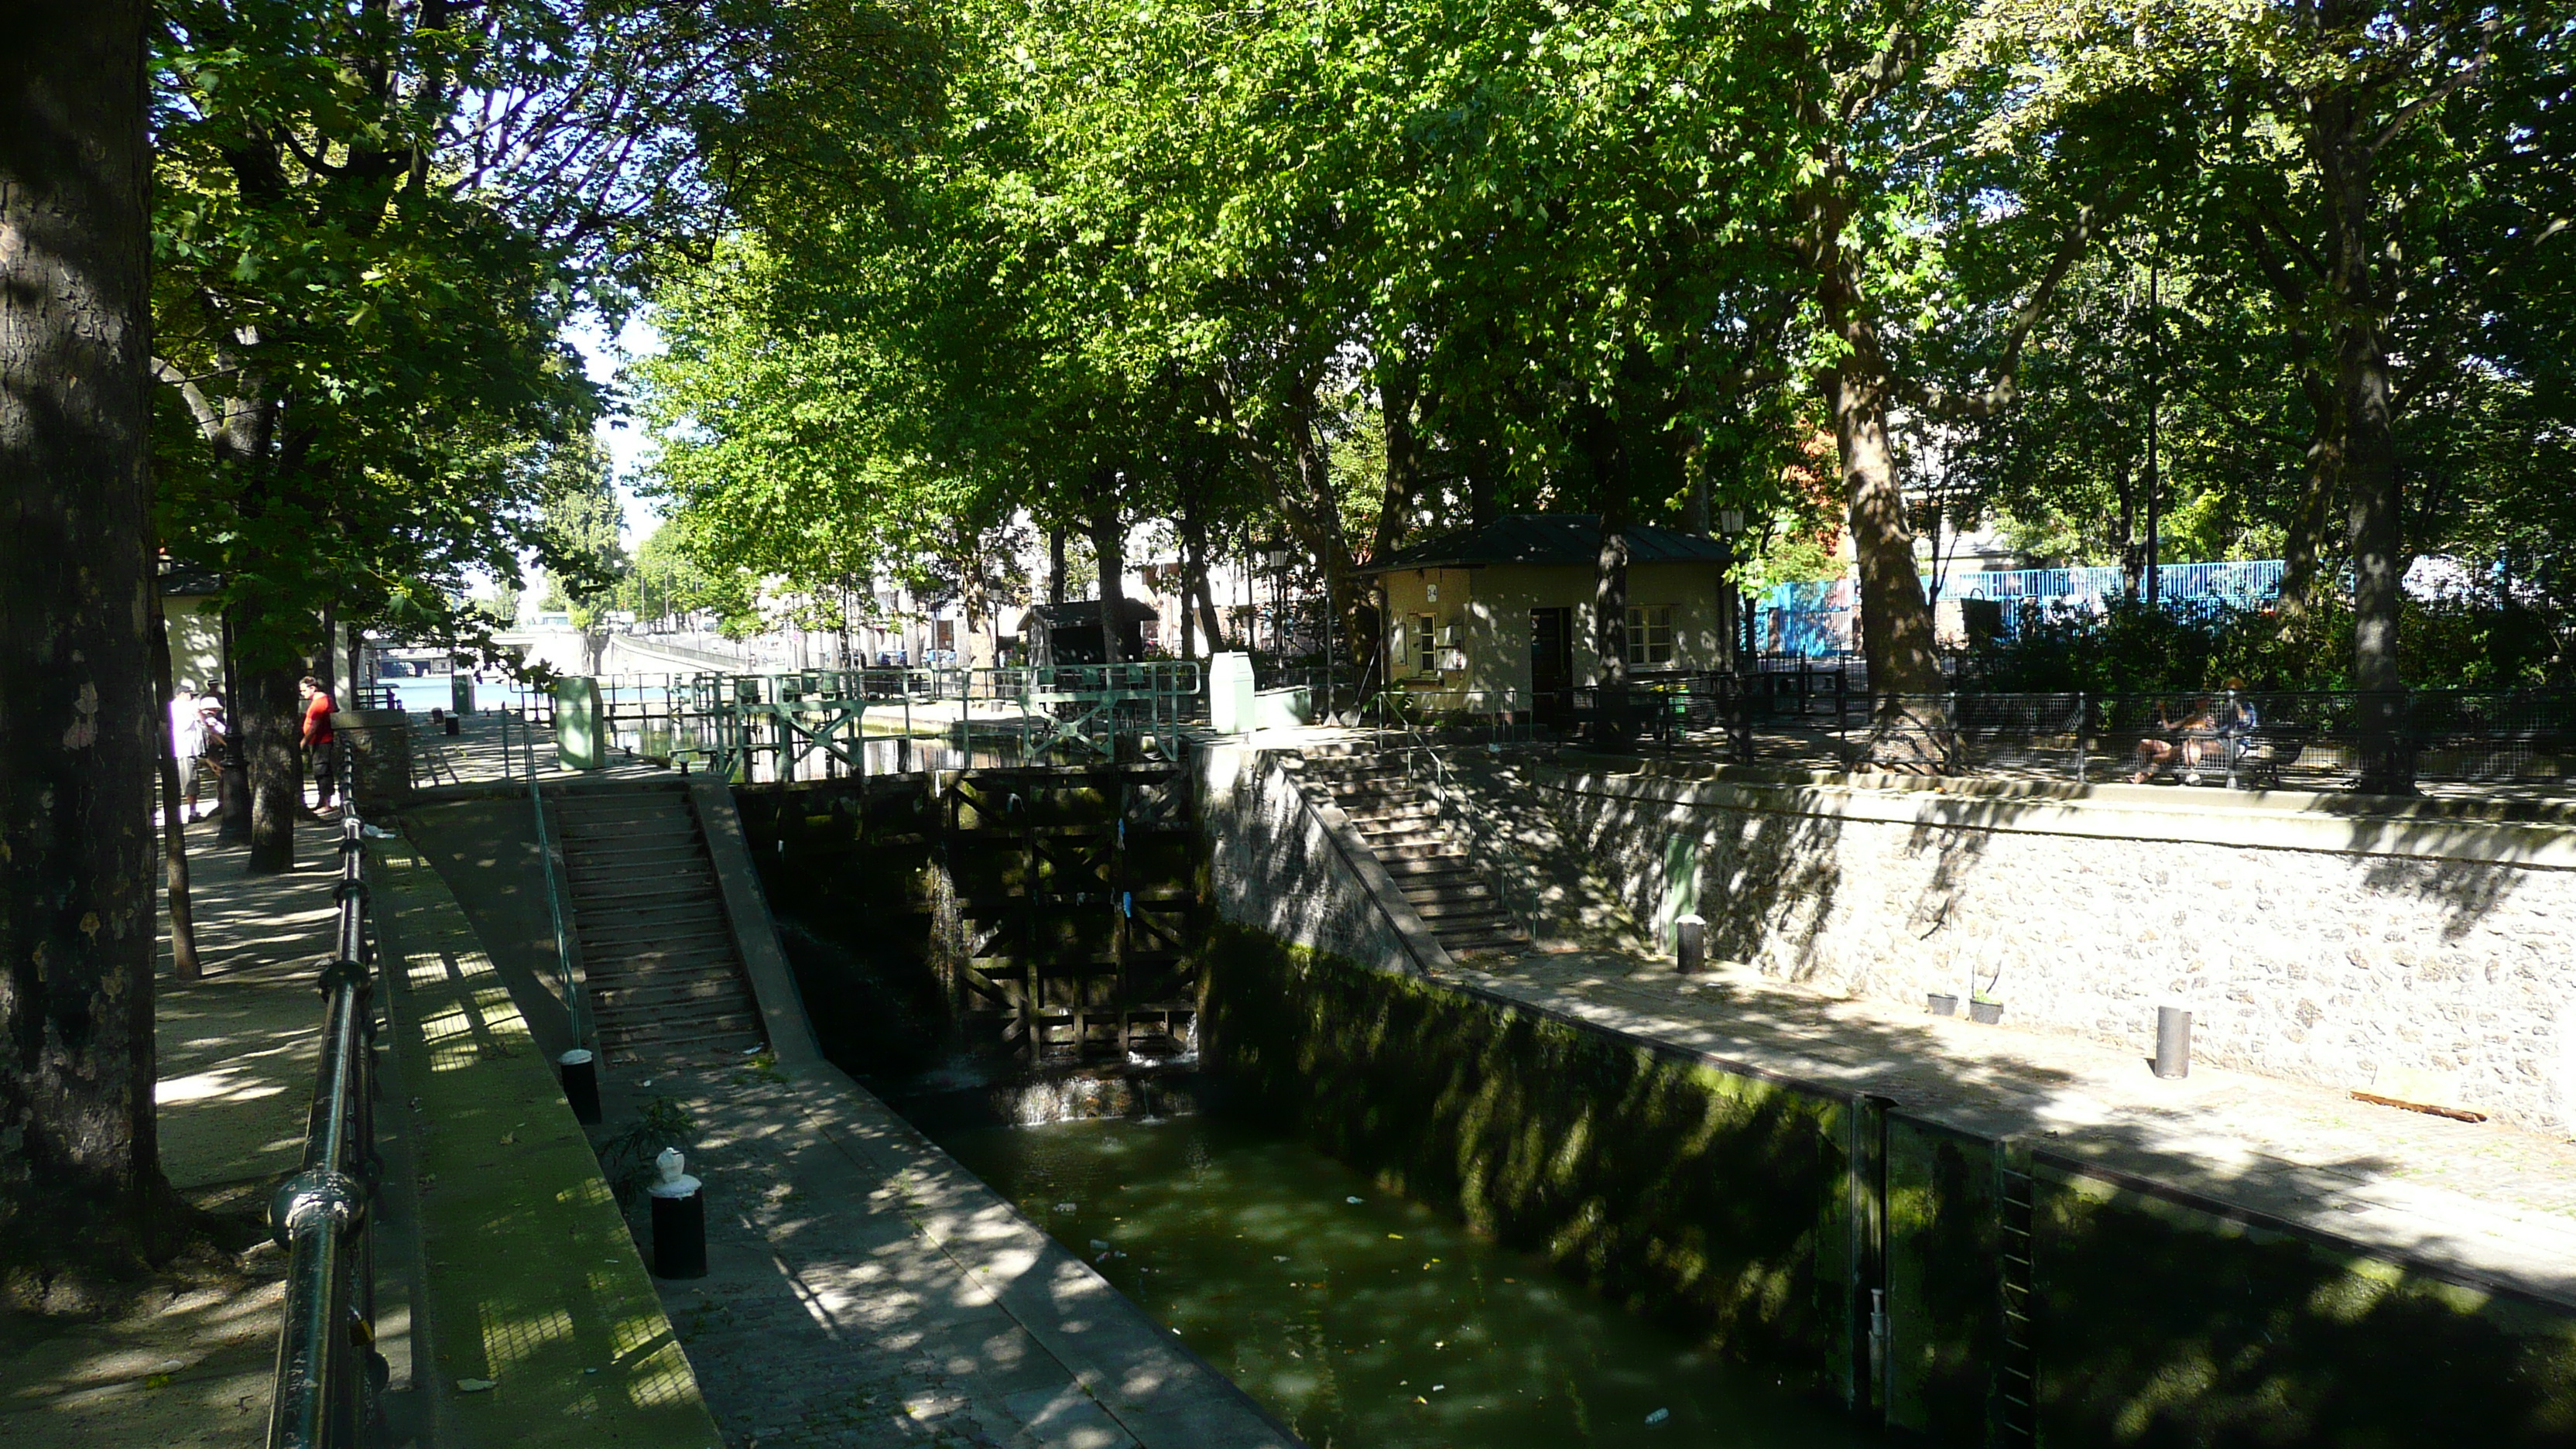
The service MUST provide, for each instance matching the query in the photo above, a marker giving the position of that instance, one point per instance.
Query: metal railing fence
(521, 763)
(2298, 739)
(1485, 836)
(329, 1375)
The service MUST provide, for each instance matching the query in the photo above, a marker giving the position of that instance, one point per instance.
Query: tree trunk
(2303, 578)
(2133, 555)
(2372, 493)
(1195, 591)
(1055, 563)
(81, 1189)
(271, 733)
(174, 817)
(2378, 563)
(1316, 517)
(1895, 619)
(1395, 390)
(1604, 451)
(327, 666)
(1610, 626)
(232, 795)
(1109, 547)
(976, 601)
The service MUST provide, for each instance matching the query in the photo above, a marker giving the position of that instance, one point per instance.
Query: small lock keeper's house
(1499, 619)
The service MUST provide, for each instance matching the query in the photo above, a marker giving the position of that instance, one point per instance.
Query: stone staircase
(1402, 825)
(659, 963)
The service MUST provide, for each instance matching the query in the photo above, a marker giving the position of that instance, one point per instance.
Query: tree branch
(209, 422)
(1881, 74)
(2434, 97)
(2005, 388)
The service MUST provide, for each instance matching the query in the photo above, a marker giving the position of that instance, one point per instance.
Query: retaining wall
(1758, 1214)
(1296, 870)
(2027, 1297)
(2416, 952)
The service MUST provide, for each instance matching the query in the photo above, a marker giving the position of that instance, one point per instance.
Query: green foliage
(626, 1158)
(2130, 648)
(359, 355)
(1343, 271)
(583, 523)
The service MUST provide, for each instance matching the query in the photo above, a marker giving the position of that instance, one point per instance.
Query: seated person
(2187, 740)
(2236, 715)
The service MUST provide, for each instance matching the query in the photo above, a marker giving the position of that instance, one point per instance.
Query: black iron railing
(2299, 739)
(329, 1374)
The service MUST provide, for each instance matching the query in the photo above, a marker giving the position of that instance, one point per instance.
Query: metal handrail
(1482, 843)
(576, 1006)
(328, 1372)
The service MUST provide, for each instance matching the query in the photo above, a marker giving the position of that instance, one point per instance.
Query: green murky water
(1375, 1323)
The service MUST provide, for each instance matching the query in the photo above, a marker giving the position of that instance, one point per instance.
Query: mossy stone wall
(1714, 1201)
(2164, 1326)
(1735, 1206)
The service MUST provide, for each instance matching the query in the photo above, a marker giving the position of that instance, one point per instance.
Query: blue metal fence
(1814, 620)
(2243, 583)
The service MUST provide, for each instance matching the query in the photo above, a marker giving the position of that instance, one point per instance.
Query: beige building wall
(196, 642)
(1480, 629)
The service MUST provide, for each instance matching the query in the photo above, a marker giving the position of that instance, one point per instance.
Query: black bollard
(1690, 945)
(2173, 1042)
(581, 1084)
(679, 1220)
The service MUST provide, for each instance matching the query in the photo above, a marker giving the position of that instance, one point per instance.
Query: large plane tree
(80, 1181)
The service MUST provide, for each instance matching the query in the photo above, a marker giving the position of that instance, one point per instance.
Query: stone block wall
(2414, 953)
(1296, 871)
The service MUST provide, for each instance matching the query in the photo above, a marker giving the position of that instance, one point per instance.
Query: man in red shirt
(321, 746)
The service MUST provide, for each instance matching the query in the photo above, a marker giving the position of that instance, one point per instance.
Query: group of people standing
(203, 743)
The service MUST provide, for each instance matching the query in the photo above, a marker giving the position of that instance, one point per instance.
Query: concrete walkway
(494, 748)
(491, 1199)
(539, 1325)
(2474, 1197)
(863, 1288)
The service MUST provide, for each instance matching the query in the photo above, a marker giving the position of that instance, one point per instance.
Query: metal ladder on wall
(2016, 1418)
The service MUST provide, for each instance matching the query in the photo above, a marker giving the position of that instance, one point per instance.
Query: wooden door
(1551, 662)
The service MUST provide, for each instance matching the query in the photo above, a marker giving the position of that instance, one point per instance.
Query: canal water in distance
(1360, 1319)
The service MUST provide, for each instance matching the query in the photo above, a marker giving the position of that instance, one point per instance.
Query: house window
(1650, 634)
(1423, 640)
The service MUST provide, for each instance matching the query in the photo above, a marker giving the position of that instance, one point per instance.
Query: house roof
(1549, 538)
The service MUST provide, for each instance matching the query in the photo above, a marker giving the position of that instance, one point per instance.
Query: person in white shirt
(187, 738)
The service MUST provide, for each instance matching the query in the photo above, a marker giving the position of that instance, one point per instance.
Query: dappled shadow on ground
(186, 1362)
(238, 1048)
(1536, 861)
(528, 1286)
(187, 1359)
(486, 853)
(863, 1289)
